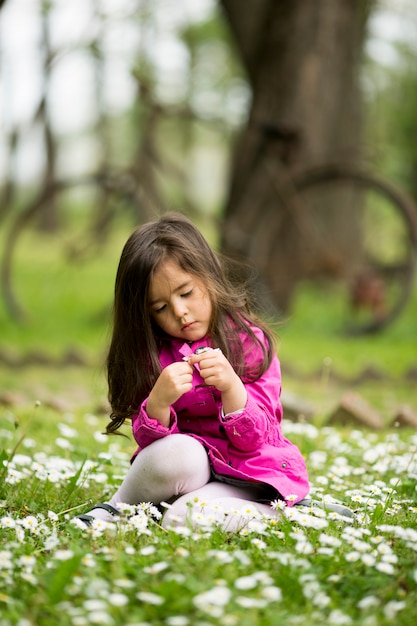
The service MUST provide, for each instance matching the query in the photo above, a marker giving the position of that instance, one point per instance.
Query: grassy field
(298, 569)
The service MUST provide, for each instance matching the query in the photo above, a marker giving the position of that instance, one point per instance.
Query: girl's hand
(216, 370)
(172, 383)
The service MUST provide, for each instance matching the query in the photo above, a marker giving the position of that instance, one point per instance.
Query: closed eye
(161, 308)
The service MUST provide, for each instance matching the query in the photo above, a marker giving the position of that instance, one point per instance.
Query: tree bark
(301, 60)
(48, 216)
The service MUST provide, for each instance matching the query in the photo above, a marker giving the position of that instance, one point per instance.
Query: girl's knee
(178, 458)
(183, 445)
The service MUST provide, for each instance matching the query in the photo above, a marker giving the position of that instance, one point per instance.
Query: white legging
(176, 468)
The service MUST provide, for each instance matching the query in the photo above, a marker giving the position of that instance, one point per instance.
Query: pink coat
(249, 445)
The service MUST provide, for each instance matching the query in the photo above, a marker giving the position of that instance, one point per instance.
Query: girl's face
(179, 302)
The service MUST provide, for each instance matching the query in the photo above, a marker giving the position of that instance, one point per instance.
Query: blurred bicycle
(327, 207)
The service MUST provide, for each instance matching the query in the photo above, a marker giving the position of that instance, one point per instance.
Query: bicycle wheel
(106, 196)
(354, 238)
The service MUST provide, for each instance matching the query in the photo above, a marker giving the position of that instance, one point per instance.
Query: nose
(180, 309)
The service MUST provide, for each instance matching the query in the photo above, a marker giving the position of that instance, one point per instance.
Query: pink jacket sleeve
(146, 429)
(260, 421)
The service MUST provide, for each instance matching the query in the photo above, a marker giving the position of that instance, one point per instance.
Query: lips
(188, 326)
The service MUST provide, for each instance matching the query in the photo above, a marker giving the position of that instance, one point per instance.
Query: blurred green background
(85, 83)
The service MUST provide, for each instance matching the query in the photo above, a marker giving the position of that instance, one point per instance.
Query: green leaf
(60, 577)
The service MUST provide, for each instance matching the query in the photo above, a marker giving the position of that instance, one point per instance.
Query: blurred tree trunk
(302, 62)
(48, 219)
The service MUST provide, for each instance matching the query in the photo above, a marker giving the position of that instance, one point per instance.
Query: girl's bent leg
(228, 506)
(168, 467)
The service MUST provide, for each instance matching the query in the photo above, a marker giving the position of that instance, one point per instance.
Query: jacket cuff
(227, 416)
(155, 424)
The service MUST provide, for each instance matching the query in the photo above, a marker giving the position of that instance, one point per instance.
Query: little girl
(195, 371)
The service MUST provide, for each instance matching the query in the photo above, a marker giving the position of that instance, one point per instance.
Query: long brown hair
(133, 359)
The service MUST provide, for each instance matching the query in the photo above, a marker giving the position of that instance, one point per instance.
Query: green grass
(66, 304)
(308, 570)
(55, 463)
